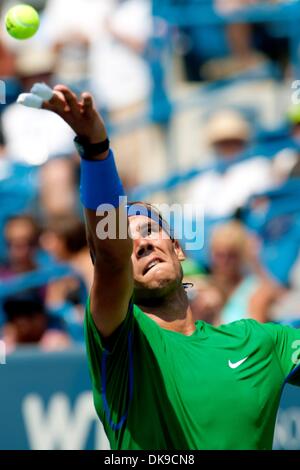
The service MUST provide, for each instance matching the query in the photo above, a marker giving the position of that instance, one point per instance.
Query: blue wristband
(100, 183)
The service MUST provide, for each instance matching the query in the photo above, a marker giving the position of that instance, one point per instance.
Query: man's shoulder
(246, 335)
(249, 329)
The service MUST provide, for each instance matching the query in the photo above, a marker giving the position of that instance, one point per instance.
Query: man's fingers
(87, 103)
(41, 96)
(80, 114)
(57, 103)
(70, 98)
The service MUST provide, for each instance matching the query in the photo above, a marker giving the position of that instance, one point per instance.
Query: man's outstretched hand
(80, 114)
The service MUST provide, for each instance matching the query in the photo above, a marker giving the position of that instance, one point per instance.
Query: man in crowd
(225, 188)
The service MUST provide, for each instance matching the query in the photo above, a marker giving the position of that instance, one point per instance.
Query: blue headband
(139, 209)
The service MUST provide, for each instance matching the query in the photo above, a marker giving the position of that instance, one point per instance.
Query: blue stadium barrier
(46, 403)
(197, 12)
(36, 279)
(62, 316)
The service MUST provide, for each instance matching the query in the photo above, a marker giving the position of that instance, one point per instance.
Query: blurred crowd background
(200, 99)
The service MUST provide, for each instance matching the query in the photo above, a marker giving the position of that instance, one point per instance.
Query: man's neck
(172, 313)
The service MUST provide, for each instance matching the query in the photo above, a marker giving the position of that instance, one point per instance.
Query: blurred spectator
(84, 19)
(28, 324)
(275, 216)
(248, 293)
(61, 174)
(220, 49)
(120, 73)
(233, 43)
(35, 65)
(65, 239)
(22, 240)
(122, 82)
(207, 300)
(250, 44)
(7, 62)
(72, 65)
(117, 31)
(235, 178)
(18, 189)
(32, 135)
(72, 39)
(243, 57)
(7, 75)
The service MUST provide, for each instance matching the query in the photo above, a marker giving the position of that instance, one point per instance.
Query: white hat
(227, 125)
(35, 61)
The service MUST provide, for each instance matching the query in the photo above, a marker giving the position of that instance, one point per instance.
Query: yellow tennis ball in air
(22, 21)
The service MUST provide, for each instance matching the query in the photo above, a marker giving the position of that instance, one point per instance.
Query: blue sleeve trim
(117, 426)
(292, 373)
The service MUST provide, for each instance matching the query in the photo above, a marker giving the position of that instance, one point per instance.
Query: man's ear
(179, 251)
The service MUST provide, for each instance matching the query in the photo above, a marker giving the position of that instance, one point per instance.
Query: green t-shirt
(219, 388)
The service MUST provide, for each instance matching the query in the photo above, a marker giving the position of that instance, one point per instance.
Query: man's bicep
(110, 296)
(111, 367)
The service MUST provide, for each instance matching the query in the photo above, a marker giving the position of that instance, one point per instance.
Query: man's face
(155, 258)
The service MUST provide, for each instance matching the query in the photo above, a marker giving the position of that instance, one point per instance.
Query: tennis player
(160, 381)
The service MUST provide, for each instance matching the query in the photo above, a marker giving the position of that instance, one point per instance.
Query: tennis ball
(22, 21)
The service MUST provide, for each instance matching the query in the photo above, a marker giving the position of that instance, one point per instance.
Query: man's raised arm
(100, 184)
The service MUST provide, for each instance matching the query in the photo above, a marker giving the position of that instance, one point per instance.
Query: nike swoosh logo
(234, 365)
